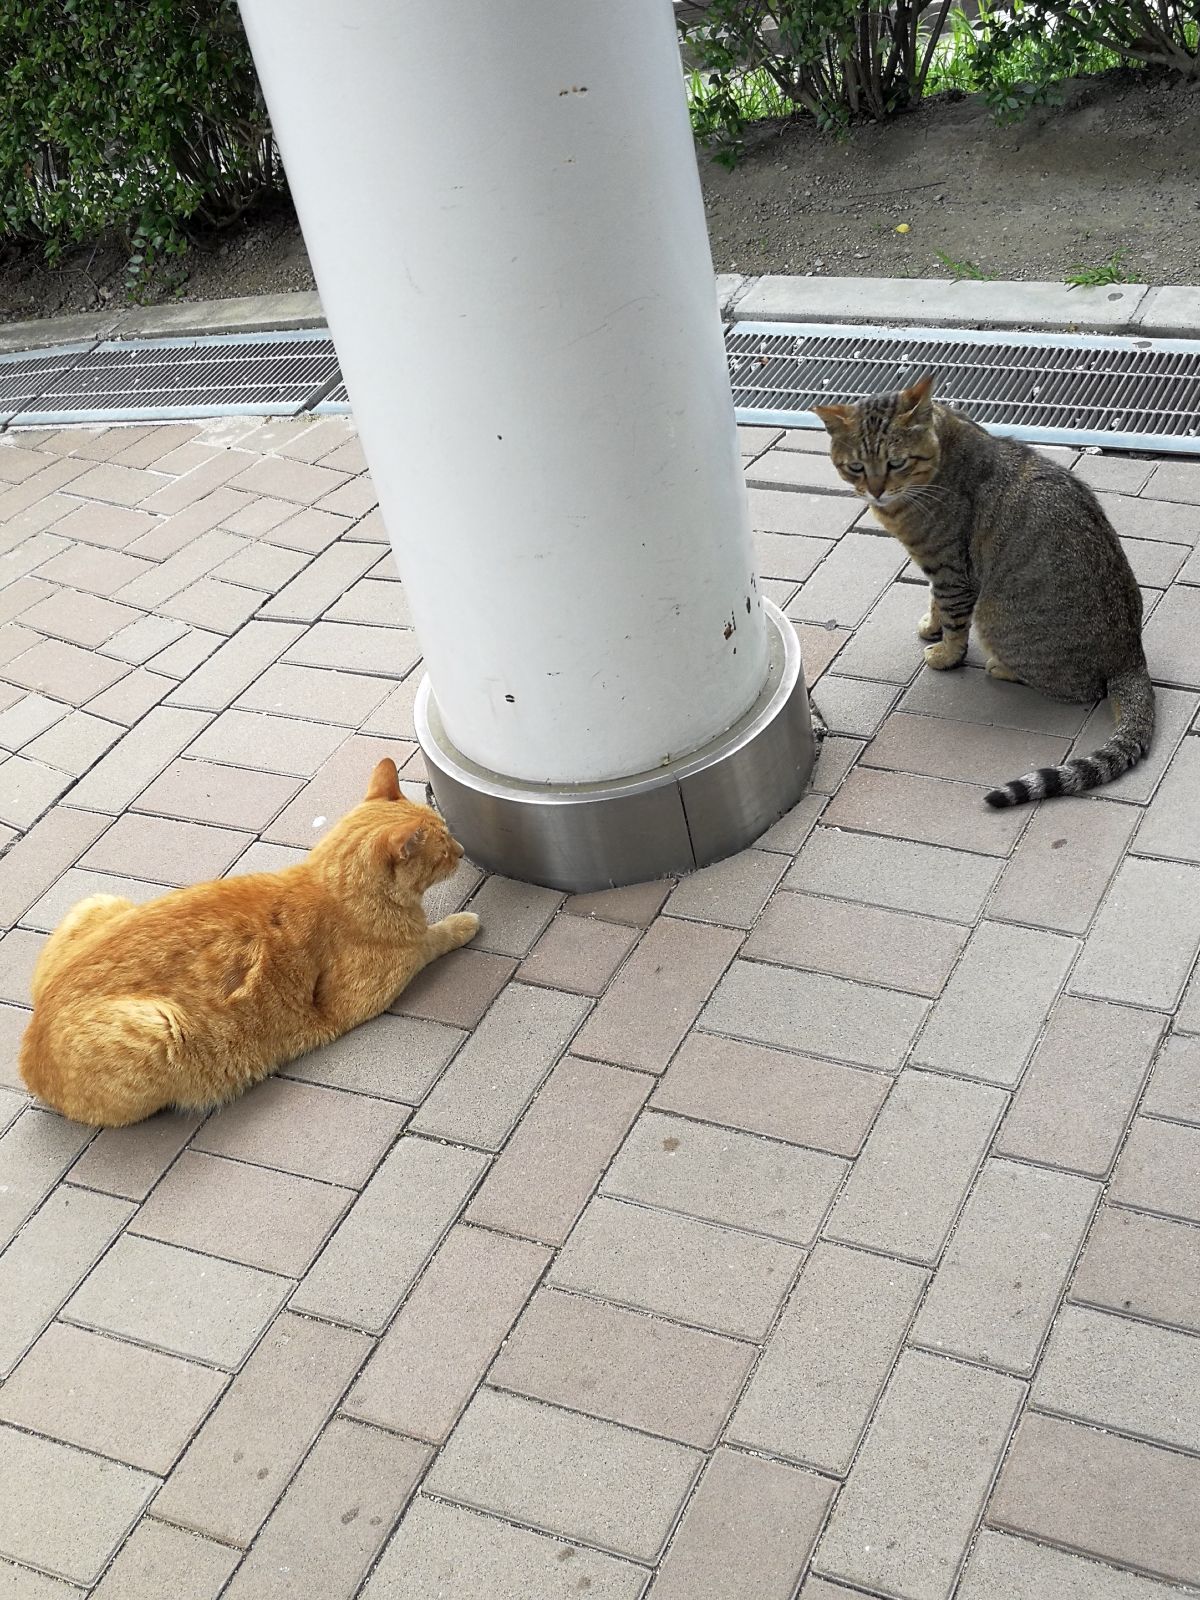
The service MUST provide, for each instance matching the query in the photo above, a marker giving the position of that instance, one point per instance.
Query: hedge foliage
(139, 117)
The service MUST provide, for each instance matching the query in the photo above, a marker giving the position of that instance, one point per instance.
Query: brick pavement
(823, 1226)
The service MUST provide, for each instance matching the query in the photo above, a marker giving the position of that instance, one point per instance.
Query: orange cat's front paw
(462, 927)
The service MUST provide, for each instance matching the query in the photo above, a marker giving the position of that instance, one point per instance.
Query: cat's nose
(876, 485)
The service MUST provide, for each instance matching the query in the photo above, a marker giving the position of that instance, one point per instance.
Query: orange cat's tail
(106, 1065)
(1132, 697)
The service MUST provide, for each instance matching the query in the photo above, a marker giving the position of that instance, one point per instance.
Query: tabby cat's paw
(927, 628)
(941, 657)
(464, 925)
(997, 669)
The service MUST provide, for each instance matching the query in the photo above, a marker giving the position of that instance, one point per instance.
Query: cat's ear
(403, 845)
(835, 418)
(916, 402)
(385, 781)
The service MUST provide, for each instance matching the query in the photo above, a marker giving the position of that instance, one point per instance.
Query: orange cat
(192, 998)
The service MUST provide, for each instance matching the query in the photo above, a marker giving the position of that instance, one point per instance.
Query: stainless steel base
(681, 816)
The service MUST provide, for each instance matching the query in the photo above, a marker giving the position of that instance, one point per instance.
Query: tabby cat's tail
(1132, 696)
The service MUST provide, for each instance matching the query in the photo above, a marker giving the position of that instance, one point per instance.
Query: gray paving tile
(854, 707)
(969, 695)
(199, 791)
(433, 1356)
(798, 1098)
(27, 790)
(849, 581)
(748, 1529)
(852, 1022)
(909, 1509)
(174, 1300)
(513, 915)
(928, 810)
(144, 752)
(566, 1473)
(819, 647)
(76, 743)
(35, 1152)
(917, 1165)
(63, 671)
(732, 892)
(636, 906)
(623, 1366)
(245, 1453)
(1063, 865)
(158, 1558)
(1019, 1570)
(165, 850)
(542, 1179)
(1174, 480)
(457, 989)
(764, 1186)
(319, 585)
(130, 699)
(712, 1277)
(787, 511)
(1145, 938)
(1117, 1499)
(1157, 1169)
(337, 786)
(438, 1543)
(275, 744)
(1081, 1087)
(1174, 1088)
(1169, 638)
(392, 1229)
(1003, 1273)
(816, 1387)
(304, 1128)
(838, 755)
(995, 1005)
(64, 1510)
(334, 1516)
(968, 752)
(580, 954)
(110, 1397)
(788, 834)
(130, 1161)
(233, 668)
(1170, 826)
(896, 873)
(787, 556)
(391, 1058)
(886, 646)
(1146, 1266)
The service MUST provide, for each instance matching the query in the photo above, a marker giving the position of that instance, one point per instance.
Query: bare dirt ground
(1116, 167)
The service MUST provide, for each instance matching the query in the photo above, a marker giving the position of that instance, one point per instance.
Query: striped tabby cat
(1016, 545)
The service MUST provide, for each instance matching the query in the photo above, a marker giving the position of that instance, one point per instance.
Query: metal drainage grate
(1132, 394)
(163, 380)
(336, 403)
(25, 376)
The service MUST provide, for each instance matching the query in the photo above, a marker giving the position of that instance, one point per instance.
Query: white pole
(504, 218)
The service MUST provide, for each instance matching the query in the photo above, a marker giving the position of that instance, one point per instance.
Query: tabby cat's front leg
(930, 625)
(952, 603)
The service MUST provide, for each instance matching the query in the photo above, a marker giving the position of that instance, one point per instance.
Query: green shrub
(838, 60)
(142, 117)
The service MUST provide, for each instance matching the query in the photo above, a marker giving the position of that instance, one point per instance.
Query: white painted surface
(504, 218)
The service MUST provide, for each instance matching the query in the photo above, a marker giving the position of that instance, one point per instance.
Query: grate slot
(23, 377)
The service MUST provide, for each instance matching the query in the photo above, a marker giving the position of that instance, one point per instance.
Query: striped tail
(1132, 697)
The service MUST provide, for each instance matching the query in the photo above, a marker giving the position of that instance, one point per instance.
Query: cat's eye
(898, 466)
(856, 467)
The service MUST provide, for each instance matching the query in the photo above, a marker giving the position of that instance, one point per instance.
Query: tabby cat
(189, 999)
(1016, 545)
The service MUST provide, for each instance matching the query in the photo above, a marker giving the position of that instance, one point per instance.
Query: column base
(679, 817)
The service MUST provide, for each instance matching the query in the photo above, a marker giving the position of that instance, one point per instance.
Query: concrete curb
(183, 319)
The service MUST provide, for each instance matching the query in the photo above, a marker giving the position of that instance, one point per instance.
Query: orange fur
(189, 1000)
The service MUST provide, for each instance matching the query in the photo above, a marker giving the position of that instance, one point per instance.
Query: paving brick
(288, 480)
(129, 700)
(200, 791)
(1157, 1169)
(303, 1128)
(138, 759)
(1018, 1570)
(260, 566)
(18, 594)
(994, 1007)
(1146, 1266)
(65, 1511)
(907, 1514)
(826, 1363)
(807, 469)
(967, 751)
(173, 1300)
(130, 1161)
(896, 873)
(851, 1022)
(788, 834)
(566, 1473)
(63, 671)
(838, 755)
(542, 1179)
(580, 954)
(76, 743)
(122, 486)
(76, 885)
(853, 941)
(1081, 1087)
(1174, 1088)
(438, 1543)
(209, 603)
(636, 906)
(84, 619)
(927, 810)
(351, 647)
(732, 892)
(35, 1152)
(764, 1186)
(309, 530)
(392, 1058)
(624, 1366)
(30, 715)
(328, 1528)
(789, 556)
(27, 790)
(513, 915)
(1174, 480)
(1003, 1273)
(1122, 1374)
(165, 850)
(1169, 638)
(853, 706)
(194, 485)
(433, 1356)
(117, 1399)
(457, 989)
(1174, 710)
(235, 666)
(886, 646)
(13, 1020)
(110, 527)
(819, 647)
(1118, 474)
(189, 652)
(917, 1165)
(1118, 1499)
(241, 1212)
(392, 1229)
(266, 858)
(849, 581)
(748, 1529)
(1145, 938)
(310, 594)
(489, 1083)
(693, 1271)
(158, 1559)
(252, 1443)
(19, 951)
(15, 641)
(969, 695)
(1063, 864)
(1169, 827)
(45, 1262)
(276, 744)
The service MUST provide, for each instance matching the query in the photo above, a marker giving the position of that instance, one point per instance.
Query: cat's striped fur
(1017, 547)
